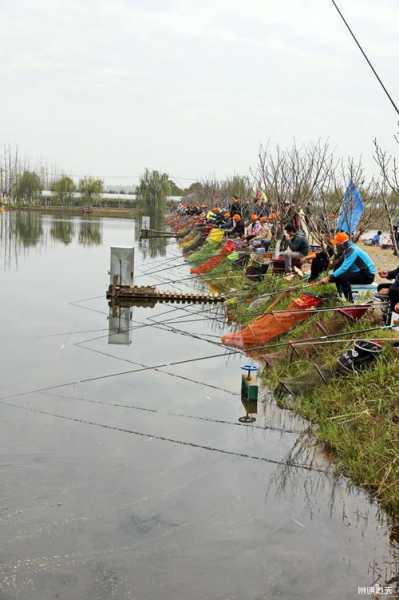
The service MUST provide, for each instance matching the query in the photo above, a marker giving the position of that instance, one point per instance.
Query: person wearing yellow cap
(354, 266)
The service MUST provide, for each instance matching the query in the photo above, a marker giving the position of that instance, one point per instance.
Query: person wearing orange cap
(238, 228)
(226, 222)
(354, 266)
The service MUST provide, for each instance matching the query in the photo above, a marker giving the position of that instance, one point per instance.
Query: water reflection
(153, 246)
(21, 231)
(62, 230)
(119, 329)
(28, 229)
(90, 233)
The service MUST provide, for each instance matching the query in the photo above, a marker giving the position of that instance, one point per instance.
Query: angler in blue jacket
(353, 266)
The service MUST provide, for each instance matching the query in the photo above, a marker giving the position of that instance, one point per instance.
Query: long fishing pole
(181, 362)
(184, 333)
(310, 311)
(370, 64)
(184, 264)
(159, 264)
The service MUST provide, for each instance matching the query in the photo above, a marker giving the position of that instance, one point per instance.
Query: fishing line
(161, 327)
(179, 415)
(182, 281)
(86, 299)
(190, 312)
(214, 335)
(95, 310)
(140, 325)
(182, 308)
(162, 438)
(173, 285)
(169, 373)
(225, 354)
(191, 320)
(62, 333)
(111, 375)
(156, 263)
(183, 332)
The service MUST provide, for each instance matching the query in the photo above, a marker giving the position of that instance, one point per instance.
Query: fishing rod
(181, 362)
(112, 375)
(340, 341)
(161, 263)
(311, 341)
(370, 64)
(299, 311)
(194, 321)
(184, 333)
(225, 354)
(184, 264)
(162, 281)
(181, 317)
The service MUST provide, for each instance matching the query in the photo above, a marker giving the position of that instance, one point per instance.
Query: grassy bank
(355, 417)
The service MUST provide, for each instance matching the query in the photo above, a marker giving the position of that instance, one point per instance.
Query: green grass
(206, 251)
(355, 417)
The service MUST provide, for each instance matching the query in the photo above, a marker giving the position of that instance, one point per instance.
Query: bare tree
(297, 178)
(389, 185)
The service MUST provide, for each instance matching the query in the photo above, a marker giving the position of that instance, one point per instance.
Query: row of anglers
(345, 261)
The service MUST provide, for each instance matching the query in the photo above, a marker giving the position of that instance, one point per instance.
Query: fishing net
(214, 261)
(272, 325)
(325, 324)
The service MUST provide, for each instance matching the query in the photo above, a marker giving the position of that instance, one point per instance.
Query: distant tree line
(306, 177)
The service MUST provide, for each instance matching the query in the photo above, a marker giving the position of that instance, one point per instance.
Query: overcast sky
(109, 87)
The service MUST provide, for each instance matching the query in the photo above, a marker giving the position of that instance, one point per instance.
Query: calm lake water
(120, 481)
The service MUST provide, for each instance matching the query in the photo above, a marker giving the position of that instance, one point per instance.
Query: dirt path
(383, 259)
